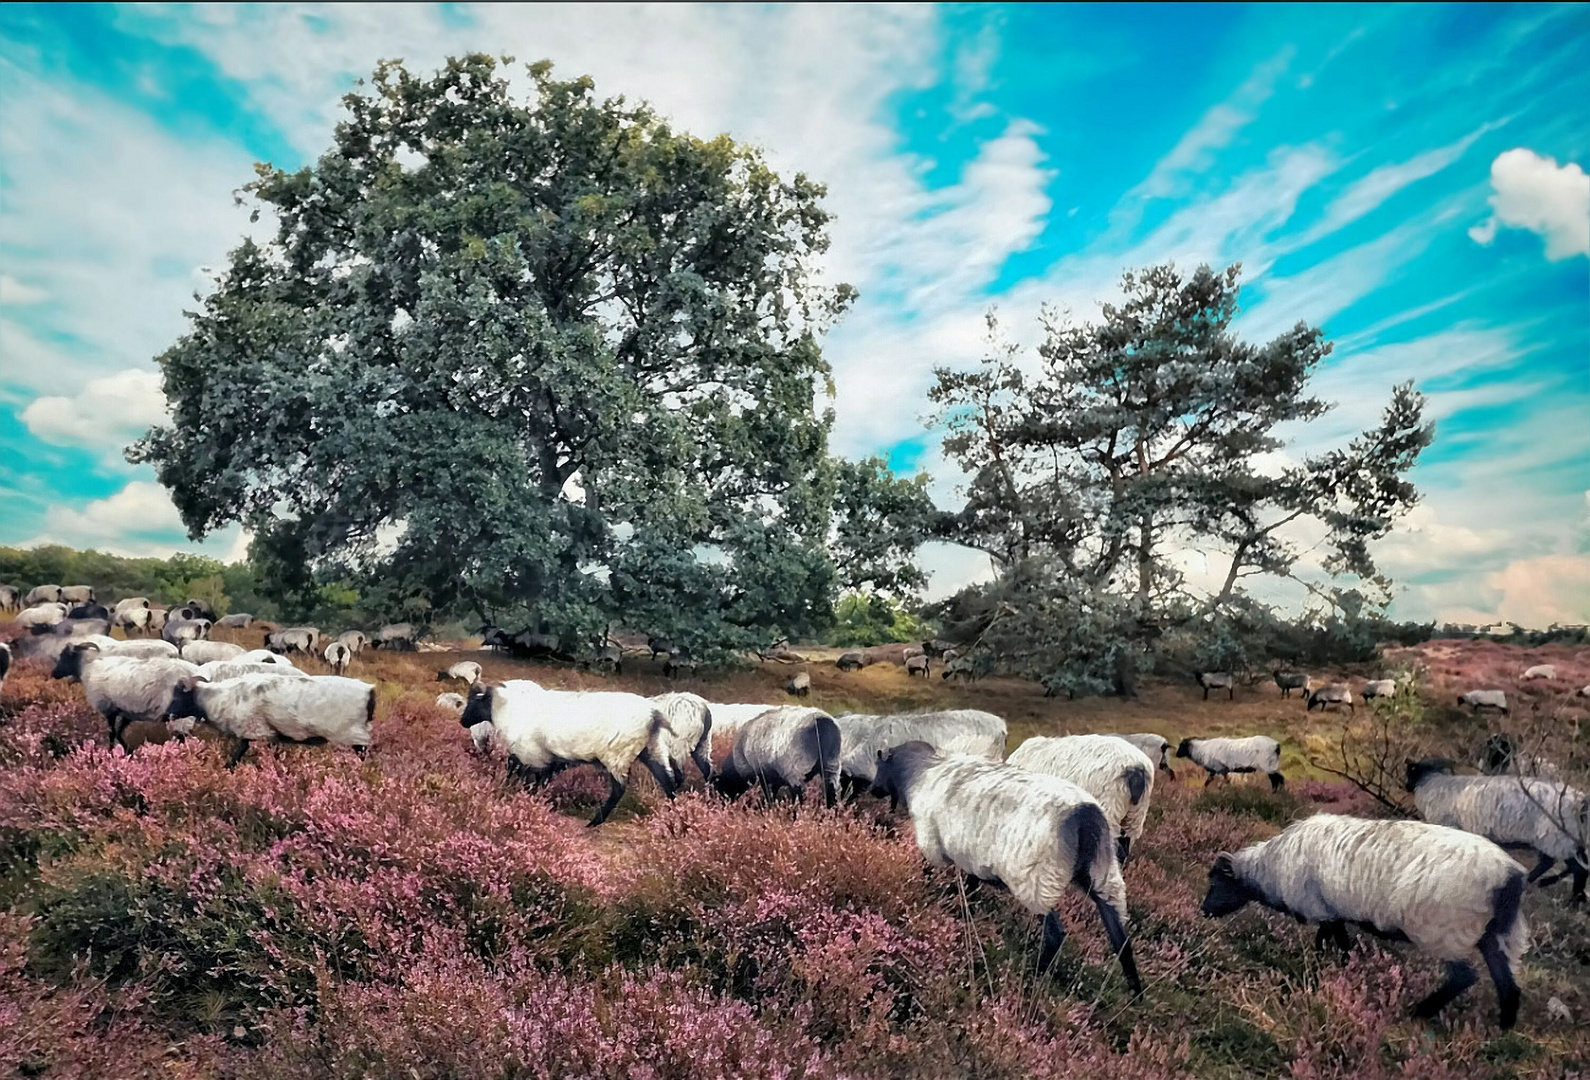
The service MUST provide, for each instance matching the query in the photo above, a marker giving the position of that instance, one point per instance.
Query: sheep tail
(1507, 924)
(1136, 783)
(828, 758)
(1083, 831)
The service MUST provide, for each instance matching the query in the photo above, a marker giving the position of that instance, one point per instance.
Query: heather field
(312, 913)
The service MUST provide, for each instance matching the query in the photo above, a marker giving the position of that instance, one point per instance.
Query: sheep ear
(1223, 865)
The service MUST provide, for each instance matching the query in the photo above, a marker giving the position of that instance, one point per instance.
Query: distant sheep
(1484, 699)
(264, 656)
(916, 665)
(304, 639)
(781, 749)
(338, 655)
(1291, 680)
(220, 670)
(466, 671)
(135, 618)
(959, 668)
(237, 621)
(1221, 757)
(799, 685)
(131, 603)
(1116, 773)
(1540, 671)
(10, 598)
(202, 652)
(77, 594)
(42, 594)
(851, 661)
(679, 662)
(1446, 891)
(355, 640)
(122, 689)
(1324, 697)
(684, 735)
(546, 731)
(1033, 834)
(399, 636)
(1217, 680)
(1156, 747)
(1379, 688)
(180, 631)
(1545, 816)
(452, 701)
(863, 737)
(270, 708)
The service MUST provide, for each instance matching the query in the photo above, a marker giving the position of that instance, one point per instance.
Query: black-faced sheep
(1116, 773)
(1324, 697)
(951, 731)
(1291, 680)
(271, 708)
(1484, 699)
(1221, 757)
(781, 749)
(123, 689)
(1217, 680)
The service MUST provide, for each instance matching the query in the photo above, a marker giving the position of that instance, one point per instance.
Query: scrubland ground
(409, 914)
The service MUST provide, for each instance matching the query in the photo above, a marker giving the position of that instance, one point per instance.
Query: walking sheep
(799, 685)
(1217, 680)
(1033, 834)
(953, 731)
(781, 749)
(1446, 891)
(1544, 816)
(270, 708)
(339, 656)
(546, 731)
(1540, 671)
(42, 594)
(1379, 688)
(1484, 699)
(1291, 680)
(916, 665)
(1116, 773)
(1221, 757)
(399, 636)
(304, 639)
(240, 620)
(1324, 697)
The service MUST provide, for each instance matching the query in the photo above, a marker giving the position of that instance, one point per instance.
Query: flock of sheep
(1057, 813)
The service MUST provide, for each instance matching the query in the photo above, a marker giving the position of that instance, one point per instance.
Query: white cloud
(951, 567)
(14, 292)
(1535, 193)
(1543, 590)
(114, 409)
(137, 521)
(1370, 192)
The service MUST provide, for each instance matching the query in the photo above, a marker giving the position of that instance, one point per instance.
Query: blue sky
(1409, 177)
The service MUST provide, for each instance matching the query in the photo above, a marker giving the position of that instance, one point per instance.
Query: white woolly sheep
(10, 598)
(1324, 697)
(240, 620)
(398, 636)
(133, 619)
(685, 734)
(1116, 773)
(546, 731)
(42, 594)
(204, 651)
(179, 631)
(77, 594)
(1033, 834)
(1217, 680)
(339, 656)
(1484, 699)
(1544, 816)
(47, 614)
(1446, 891)
(1540, 671)
(916, 665)
(727, 720)
(148, 649)
(452, 701)
(951, 731)
(1221, 757)
(781, 749)
(799, 685)
(123, 689)
(220, 670)
(131, 603)
(264, 656)
(304, 639)
(466, 671)
(356, 640)
(1379, 688)
(1291, 680)
(268, 707)
(1155, 747)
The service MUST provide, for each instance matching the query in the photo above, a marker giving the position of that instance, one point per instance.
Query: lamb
(123, 689)
(799, 685)
(339, 656)
(546, 731)
(1331, 694)
(202, 652)
(685, 733)
(1447, 891)
(1484, 699)
(1221, 757)
(465, 670)
(1116, 773)
(10, 598)
(781, 749)
(271, 708)
(399, 636)
(1217, 680)
(1155, 747)
(355, 640)
(221, 670)
(1033, 834)
(304, 639)
(916, 665)
(236, 621)
(851, 661)
(1540, 671)
(1291, 680)
(42, 594)
(41, 615)
(1545, 816)
(179, 631)
(77, 594)
(953, 731)
(1379, 688)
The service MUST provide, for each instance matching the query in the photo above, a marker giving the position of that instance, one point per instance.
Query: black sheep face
(69, 665)
(1226, 895)
(1185, 749)
(185, 700)
(477, 710)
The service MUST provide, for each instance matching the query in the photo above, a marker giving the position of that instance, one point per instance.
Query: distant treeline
(226, 587)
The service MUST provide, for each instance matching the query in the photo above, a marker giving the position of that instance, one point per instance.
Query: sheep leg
(1502, 975)
(1277, 781)
(1546, 863)
(115, 733)
(1120, 944)
(239, 748)
(1333, 933)
(615, 792)
(1054, 935)
(659, 772)
(1123, 848)
(1459, 977)
(703, 762)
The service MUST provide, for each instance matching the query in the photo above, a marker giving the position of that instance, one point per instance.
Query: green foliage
(869, 619)
(1140, 435)
(165, 581)
(548, 362)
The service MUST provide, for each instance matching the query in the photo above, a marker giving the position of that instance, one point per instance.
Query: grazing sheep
(41, 615)
(1155, 747)
(10, 598)
(851, 661)
(686, 733)
(916, 665)
(304, 639)
(1446, 891)
(960, 668)
(1484, 699)
(202, 652)
(338, 655)
(727, 720)
(799, 685)
(1540, 671)
(452, 701)
(239, 620)
(1116, 773)
(180, 631)
(781, 749)
(679, 661)
(220, 670)
(76, 594)
(268, 707)
(1379, 688)
(42, 594)
(264, 656)
(1332, 694)
(660, 646)
(1217, 680)
(1291, 680)
(122, 688)
(1033, 834)
(199, 609)
(1545, 816)
(1221, 757)
(90, 610)
(466, 671)
(546, 731)
(148, 649)
(953, 731)
(355, 640)
(133, 619)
